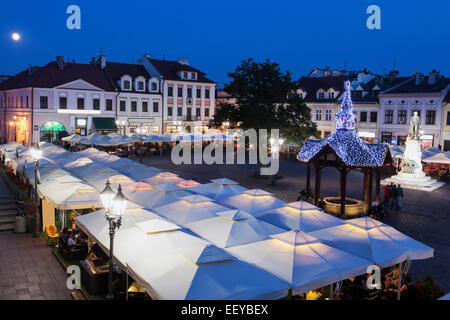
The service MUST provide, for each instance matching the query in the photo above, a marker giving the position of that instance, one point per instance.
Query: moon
(15, 36)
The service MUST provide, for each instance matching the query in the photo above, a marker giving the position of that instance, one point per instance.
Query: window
(331, 95)
(122, 105)
(207, 112)
(180, 92)
(401, 116)
(108, 104)
(386, 137)
(321, 95)
(207, 94)
(179, 111)
(448, 118)
(388, 115)
(328, 115)
(199, 93)
(126, 85)
(133, 106)
(62, 102)
(430, 117)
(140, 85)
(185, 75)
(80, 103)
(373, 116)
(189, 92)
(170, 91)
(169, 111)
(319, 115)
(27, 101)
(194, 75)
(144, 106)
(155, 107)
(44, 102)
(197, 112)
(155, 86)
(21, 101)
(363, 116)
(96, 104)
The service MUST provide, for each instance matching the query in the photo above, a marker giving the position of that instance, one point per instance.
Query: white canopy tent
(155, 196)
(302, 260)
(219, 188)
(291, 218)
(190, 209)
(170, 263)
(232, 228)
(164, 177)
(252, 201)
(441, 158)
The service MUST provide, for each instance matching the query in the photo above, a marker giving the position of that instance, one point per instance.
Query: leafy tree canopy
(266, 98)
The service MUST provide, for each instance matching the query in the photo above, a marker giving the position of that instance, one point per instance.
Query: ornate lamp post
(115, 206)
(36, 155)
(141, 131)
(275, 145)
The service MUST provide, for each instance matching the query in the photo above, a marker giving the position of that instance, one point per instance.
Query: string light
(346, 142)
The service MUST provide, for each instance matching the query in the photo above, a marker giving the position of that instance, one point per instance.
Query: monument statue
(414, 127)
(412, 176)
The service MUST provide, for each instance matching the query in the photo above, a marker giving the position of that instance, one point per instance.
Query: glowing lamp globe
(107, 195)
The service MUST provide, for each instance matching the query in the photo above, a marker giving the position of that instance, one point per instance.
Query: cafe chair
(52, 233)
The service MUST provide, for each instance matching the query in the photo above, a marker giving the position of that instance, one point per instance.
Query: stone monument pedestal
(412, 176)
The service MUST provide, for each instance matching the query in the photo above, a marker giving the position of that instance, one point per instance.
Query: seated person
(72, 240)
(408, 290)
(63, 234)
(313, 295)
(391, 279)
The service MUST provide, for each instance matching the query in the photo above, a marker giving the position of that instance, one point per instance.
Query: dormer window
(185, 75)
(321, 95)
(126, 85)
(154, 86)
(140, 85)
(331, 95)
(194, 76)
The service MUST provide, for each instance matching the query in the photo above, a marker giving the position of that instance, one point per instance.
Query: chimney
(418, 78)
(94, 61)
(146, 56)
(60, 62)
(433, 76)
(392, 75)
(102, 61)
(183, 61)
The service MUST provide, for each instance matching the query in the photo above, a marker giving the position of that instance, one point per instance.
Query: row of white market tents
(184, 240)
(115, 139)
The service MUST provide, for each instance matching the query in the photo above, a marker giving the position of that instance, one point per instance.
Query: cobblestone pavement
(425, 216)
(28, 268)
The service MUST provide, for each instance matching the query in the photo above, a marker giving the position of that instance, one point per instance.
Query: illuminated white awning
(366, 134)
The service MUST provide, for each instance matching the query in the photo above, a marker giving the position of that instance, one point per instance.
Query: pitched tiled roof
(168, 69)
(115, 71)
(51, 76)
(410, 86)
(311, 85)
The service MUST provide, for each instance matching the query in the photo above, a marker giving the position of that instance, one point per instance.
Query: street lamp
(121, 124)
(36, 154)
(115, 205)
(275, 145)
(141, 131)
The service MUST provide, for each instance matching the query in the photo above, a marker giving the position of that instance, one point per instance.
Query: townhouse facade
(188, 95)
(445, 134)
(46, 103)
(62, 98)
(422, 94)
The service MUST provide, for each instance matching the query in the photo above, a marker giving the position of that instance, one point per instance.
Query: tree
(266, 98)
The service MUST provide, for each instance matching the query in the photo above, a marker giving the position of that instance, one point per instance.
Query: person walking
(400, 196)
(386, 194)
(394, 198)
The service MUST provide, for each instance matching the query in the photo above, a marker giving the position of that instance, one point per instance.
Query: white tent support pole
(399, 284)
(332, 291)
(127, 284)
(63, 220)
(338, 288)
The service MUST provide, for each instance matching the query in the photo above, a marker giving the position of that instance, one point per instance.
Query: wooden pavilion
(345, 150)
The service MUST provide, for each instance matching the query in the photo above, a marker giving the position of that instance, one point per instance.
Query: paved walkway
(28, 268)
(425, 216)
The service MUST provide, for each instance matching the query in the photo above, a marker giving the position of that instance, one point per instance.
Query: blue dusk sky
(217, 35)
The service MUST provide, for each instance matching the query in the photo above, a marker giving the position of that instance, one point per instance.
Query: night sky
(217, 35)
